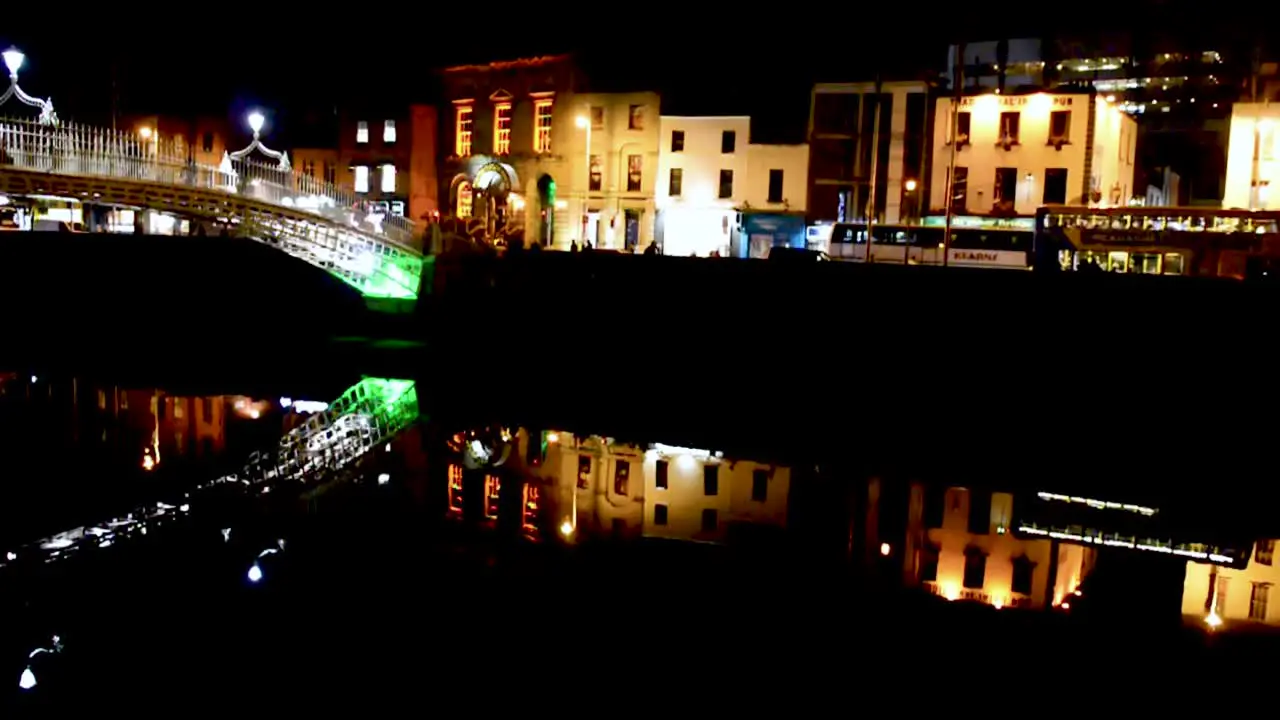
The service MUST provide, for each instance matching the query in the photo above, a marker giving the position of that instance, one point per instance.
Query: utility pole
(875, 167)
(1255, 181)
(957, 93)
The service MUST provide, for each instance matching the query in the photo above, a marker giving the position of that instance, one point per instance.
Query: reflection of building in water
(1235, 597)
(171, 426)
(962, 546)
(589, 486)
(662, 491)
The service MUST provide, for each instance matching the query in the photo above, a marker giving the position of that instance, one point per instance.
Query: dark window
(1265, 549)
(775, 186)
(206, 142)
(635, 165)
(1023, 569)
(1009, 122)
(1055, 186)
(928, 564)
(1258, 601)
(979, 512)
(960, 189)
(760, 485)
(597, 174)
(677, 141)
(963, 121)
(584, 471)
(635, 118)
(660, 475)
(726, 184)
(659, 514)
(709, 520)
(1060, 126)
(975, 569)
(597, 117)
(935, 504)
(675, 184)
(330, 173)
(710, 479)
(1006, 187)
(728, 141)
(621, 477)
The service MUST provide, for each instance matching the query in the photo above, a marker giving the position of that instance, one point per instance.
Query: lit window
(462, 140)
(362, 179)
(502, 128)
(455, 488)
(389, 131)
(542, 122)
(362, 132)
(388, 178)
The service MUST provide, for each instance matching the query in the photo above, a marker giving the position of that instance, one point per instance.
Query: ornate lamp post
(255, 124)
(13, 59)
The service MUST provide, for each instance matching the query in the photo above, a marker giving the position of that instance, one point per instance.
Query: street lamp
(584, 123)
(256, 121)
(911, 186)
(28, 678)
(13, 60)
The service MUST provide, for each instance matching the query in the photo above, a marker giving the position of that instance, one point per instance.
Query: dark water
(386, 593)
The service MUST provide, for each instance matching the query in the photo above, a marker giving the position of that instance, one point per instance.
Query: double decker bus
(975, 242)
(1241, 244)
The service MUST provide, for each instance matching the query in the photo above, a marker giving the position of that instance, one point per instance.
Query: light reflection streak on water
(368, 414)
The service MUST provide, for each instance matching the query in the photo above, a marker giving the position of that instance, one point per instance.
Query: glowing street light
(1212, 620)
(256, 121)
(566, 528)
(13, 59)
(28, 678)
(145, 132)
(911, 186)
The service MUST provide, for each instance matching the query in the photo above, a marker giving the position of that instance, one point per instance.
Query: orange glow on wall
(531, 498)
(492, 488)
(455, 489)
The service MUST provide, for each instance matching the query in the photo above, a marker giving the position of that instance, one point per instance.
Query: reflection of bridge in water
(309, 219)
(330, 446)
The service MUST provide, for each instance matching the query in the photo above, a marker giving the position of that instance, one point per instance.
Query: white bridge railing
(70, 149)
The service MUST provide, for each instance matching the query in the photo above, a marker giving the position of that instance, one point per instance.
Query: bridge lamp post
(13, 60)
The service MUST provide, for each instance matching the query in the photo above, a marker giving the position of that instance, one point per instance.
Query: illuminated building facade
(1016, 153)
(1233, 596)
(1180, 86)
(206, 138)
(1252, 160)
(387, 154)
(709, 171)
(843, 129)
(962, 544)
(532, 153)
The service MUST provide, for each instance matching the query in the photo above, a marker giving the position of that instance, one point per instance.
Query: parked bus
(975, 242)
(1159, 241)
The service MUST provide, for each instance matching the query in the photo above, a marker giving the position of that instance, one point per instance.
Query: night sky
(760, 64)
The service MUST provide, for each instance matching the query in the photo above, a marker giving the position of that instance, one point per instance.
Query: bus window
(1146, 263)
(1173, 264)
(1118, 261)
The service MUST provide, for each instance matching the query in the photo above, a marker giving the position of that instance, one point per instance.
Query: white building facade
(709, 171)
(1016, 153)
(1252, 161)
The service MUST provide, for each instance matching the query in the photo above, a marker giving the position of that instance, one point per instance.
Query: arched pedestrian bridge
(308, 219)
